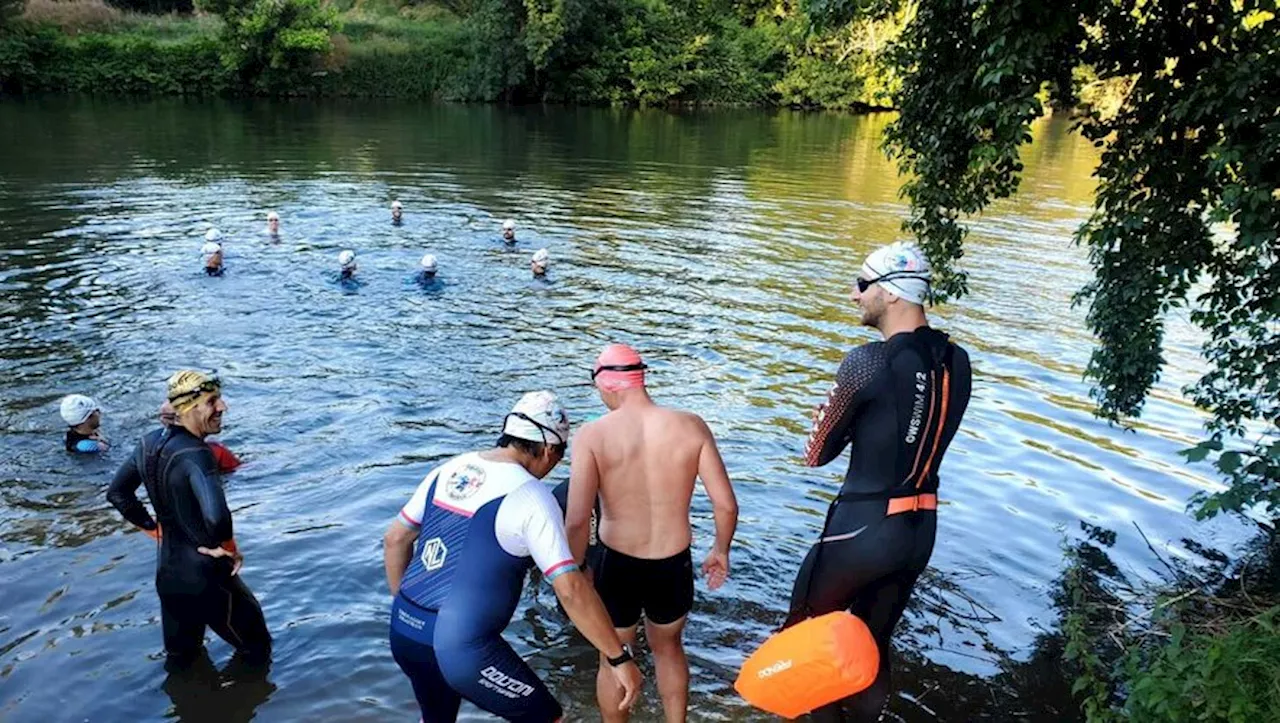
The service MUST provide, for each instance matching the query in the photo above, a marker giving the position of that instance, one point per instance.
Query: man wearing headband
(898, 403)
(198, 562)
(642, 460)
(456, 559)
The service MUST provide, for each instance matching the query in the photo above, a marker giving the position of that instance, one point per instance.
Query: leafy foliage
(1187, 210)
(270, 43)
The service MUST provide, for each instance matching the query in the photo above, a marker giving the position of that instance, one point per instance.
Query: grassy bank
(637, 52)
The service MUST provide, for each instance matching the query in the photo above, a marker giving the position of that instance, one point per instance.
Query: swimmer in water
(429, 268)
(539, 263)
(397, 213)
(509, 231)
(898, 403)
(347, 265)
(643, 461)
(84, 424)
(457, 557)
(211, 251)
(273, 224)
(198, 561)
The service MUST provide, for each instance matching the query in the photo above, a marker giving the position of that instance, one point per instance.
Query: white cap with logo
(538, 417)
(902, 269)
(508, 225)
(347, 258)
(76, 408)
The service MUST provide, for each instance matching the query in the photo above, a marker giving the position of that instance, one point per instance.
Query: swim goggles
(543, 429)
(212, 384)
(864, 284)
(618, 368)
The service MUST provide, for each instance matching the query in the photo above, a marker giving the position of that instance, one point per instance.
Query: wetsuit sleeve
(833, 420)
(206, 487)
(529, 523)
(123, 493)
(88, 446)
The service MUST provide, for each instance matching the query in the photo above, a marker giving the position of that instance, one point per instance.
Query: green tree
(1187, 210)
(273, 44)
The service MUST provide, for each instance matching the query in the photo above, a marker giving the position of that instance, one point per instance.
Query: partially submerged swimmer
(540, 261)
(84, 421)
(212, 252)
(509, 231)
(397, 213)
(429, 268)
(347, 265)
(273, 224)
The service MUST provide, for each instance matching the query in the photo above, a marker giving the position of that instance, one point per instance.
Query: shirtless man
(642, 461)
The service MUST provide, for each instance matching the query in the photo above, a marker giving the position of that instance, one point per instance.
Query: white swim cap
(429, 262)
(273, 216)
(76, 408)
(212, 235)
(347, 258)
(210, 248)
(396, 204)
(542, 257)
(904, 271)
(508, 225)
(538, 417)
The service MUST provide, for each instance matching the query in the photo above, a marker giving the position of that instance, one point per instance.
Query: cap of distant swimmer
(212, 235)
(538, 417)
(540, 261)
(77, 408)
(618, 368)
(347, 260)
(429, 265)
(273, 223)
(509, 230)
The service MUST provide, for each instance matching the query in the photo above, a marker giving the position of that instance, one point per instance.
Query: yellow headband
(187, 388)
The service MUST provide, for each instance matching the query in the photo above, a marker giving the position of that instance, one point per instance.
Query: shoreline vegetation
(576, 52)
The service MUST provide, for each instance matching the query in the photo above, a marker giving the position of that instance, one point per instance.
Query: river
(721, 244)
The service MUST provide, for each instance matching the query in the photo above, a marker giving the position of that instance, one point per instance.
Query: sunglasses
(542, 429)
(864, 284)
(618, 368)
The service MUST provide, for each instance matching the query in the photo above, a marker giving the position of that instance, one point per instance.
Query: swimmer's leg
(436, 700)
(183, 620)
(236, 617)
(667, 644)
(608, 692)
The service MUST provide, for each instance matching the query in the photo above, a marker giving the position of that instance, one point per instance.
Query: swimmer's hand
(237, 559)
(628, 676)
(716, 568)
(155, 534)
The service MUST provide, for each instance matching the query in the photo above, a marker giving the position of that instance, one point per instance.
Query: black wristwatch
(626, 657)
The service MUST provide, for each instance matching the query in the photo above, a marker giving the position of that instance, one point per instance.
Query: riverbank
(631, 52)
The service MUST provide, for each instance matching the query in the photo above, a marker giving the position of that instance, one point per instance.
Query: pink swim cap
(617, 368)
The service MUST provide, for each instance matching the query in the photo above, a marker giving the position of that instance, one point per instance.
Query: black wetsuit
(196, 590)
(899, 403)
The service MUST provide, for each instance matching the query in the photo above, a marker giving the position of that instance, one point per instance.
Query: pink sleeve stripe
(412, 522)
(451, 508)
(560, 568)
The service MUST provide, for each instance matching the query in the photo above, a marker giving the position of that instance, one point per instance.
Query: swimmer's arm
(833, 419)
(582, 604)
(123, 494)
(584, 484)
(206, 487)
(397, 548)
(715, 479)
(90, 446)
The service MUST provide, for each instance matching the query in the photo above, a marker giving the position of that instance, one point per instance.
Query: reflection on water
(721, 244)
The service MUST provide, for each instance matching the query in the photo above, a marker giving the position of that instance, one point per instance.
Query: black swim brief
(660, 589)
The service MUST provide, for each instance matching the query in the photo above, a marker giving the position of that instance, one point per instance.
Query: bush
(71, 16)
(274, 45)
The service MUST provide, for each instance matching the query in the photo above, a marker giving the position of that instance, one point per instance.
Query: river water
(721, 244)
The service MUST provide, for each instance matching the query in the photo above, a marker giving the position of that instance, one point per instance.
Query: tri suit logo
(465, 482)
(433, 554)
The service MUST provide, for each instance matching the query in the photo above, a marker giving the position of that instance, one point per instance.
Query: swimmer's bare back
(643, 461)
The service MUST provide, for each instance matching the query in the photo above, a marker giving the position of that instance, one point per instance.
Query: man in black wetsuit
(899, 403)
(198, 563)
